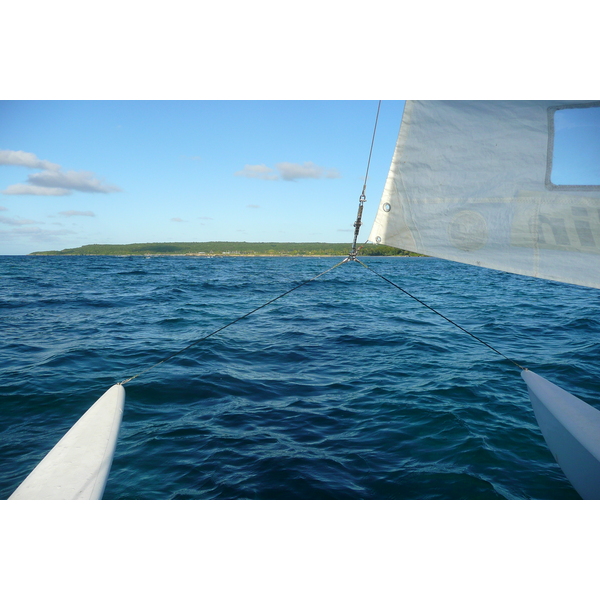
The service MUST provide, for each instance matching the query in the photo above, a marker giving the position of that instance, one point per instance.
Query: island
(225, 249)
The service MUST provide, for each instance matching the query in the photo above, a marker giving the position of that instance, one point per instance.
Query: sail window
(387, 207)
(574, 147)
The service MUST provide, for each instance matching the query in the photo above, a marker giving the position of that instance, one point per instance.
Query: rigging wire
(363, 197)
(439, 314)
(195, 342)
(371, 150)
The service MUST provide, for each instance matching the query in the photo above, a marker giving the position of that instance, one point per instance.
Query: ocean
(343, 389)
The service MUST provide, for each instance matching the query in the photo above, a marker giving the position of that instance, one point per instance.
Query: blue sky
(84, 172)
(117, 172)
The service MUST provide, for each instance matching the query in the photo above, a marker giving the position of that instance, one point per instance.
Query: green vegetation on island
(225, 248)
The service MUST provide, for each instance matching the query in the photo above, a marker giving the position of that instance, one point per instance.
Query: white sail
(472, 181)
(475, 182)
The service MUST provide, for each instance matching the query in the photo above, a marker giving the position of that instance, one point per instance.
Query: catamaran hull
(571, 429)
(78, 466)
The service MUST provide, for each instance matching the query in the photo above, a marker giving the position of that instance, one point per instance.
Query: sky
(117, 172)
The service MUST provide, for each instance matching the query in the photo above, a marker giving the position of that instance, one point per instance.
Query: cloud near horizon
(34, 234)
(288, 172)
(77, 213)
(51, 181)
(18, 222)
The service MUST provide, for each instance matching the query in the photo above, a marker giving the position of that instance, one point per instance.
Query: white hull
(571, 429)
(78, 466)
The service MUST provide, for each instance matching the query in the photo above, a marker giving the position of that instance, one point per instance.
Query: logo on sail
(468, 231)
(558, 227)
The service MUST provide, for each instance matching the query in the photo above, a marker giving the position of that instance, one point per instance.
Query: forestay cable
(363, 197)
(229, 324)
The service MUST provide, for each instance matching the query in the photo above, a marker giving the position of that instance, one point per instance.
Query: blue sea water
(343, 389)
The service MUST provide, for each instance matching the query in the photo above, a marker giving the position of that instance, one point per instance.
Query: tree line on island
(226, 248)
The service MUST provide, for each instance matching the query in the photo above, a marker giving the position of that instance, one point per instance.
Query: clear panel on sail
(474, 182)
(575, 147)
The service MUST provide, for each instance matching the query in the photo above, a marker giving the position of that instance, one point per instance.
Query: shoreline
(224, 249)
(37, 255)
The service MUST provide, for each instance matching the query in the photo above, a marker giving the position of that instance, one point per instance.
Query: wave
(341, 390)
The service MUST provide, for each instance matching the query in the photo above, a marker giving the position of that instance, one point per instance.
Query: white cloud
(25, 159)
(83, 181)
(253, 206)
(24, 189)
(288, 172)
(308, 170)
(257, 172)
(3, 208)
(177, 220)
(77, 213)
(17, 222)
(51, 181)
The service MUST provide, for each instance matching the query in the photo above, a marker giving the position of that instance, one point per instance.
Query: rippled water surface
(343, 389)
